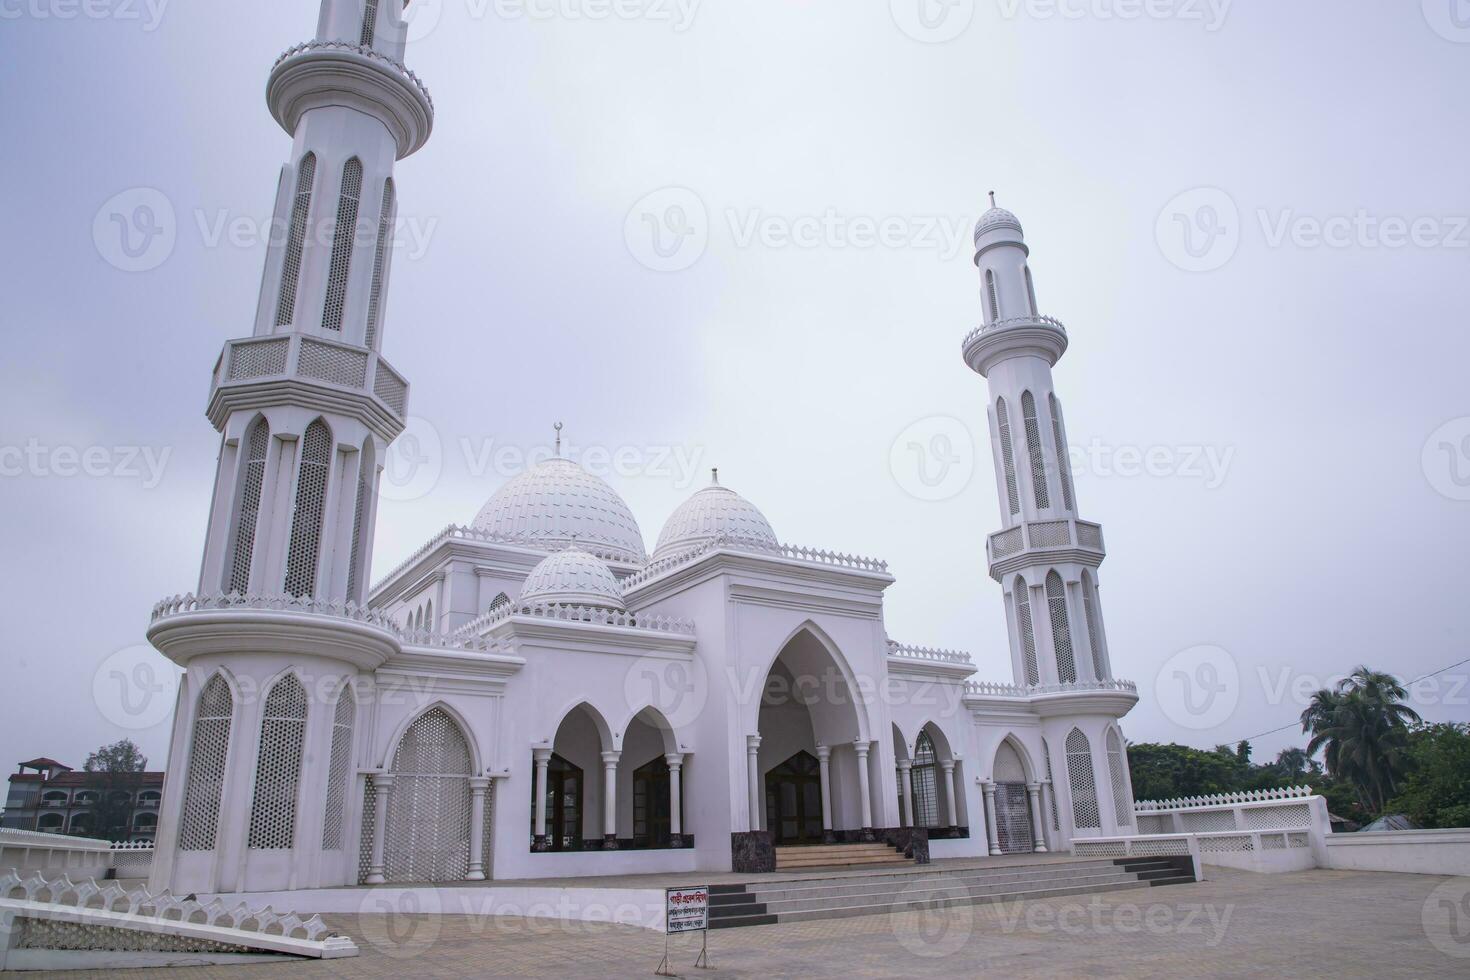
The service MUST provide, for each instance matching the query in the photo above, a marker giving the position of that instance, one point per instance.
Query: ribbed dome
(573, 577)
(995, 218)
(713, 512)
(557, 502)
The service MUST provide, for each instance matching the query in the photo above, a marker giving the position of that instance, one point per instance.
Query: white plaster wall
(1428, 852)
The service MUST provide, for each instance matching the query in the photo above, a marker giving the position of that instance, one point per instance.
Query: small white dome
(556, 503)
(573, 577)
(713, 512)
(996, 218)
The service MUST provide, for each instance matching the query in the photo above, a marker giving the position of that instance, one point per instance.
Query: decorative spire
(714, 476)
(557, 427)
(992, 199)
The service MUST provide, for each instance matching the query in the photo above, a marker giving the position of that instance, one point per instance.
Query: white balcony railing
(1044, 536)
(250, 360)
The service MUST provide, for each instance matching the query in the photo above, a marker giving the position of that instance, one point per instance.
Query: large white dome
(557, 503)
(575, 578)
(713, 512)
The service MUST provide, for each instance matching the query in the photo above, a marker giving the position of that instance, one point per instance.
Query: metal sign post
(686, 910)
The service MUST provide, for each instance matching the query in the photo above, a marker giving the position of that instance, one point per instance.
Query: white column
(1048, 801)
(863, 790)
(990, 814)
(1033, 795)
(906, 791)
(753, 771)
(543, 759)
(824, 762)
(676, 799)
(951, 807)
(382, 787)
(610, 801)
(478, 785)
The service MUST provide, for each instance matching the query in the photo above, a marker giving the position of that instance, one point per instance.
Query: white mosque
(535, 694)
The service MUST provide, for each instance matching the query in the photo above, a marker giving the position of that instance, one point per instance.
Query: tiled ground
(1315, 923)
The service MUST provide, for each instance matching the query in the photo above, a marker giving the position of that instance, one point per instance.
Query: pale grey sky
(1300, 508)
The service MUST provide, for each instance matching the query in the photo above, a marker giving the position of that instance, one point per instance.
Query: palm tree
(1362, 726)
(1293, 762)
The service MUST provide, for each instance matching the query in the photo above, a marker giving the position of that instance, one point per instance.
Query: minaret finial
(714, 475)
(992, 198)
(557, 427)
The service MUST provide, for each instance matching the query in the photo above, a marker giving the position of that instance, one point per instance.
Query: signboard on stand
(686, 910)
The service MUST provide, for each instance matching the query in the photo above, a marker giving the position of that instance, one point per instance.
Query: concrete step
(932, 891)
(846, 911)
(837, 855)
(836, 884)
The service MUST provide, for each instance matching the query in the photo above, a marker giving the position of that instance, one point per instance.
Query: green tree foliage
(115, 766)
(1435, 790)
(1362, 728)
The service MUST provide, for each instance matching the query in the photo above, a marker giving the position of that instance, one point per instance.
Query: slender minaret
(306, 404)
(265, 785)
(1045, 558)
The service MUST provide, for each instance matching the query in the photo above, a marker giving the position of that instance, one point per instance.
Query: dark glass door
(563, 805)
(794, 801)
(651, 809)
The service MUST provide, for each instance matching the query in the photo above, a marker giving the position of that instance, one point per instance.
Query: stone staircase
(878, 890)
(839, 856)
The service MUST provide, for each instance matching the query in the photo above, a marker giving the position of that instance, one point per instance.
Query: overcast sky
(1251, 217)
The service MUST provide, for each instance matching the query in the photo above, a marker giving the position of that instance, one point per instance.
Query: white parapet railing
(1271, 850)
(132, 859)
(35, 850)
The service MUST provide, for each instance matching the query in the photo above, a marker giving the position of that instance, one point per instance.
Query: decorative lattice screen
(311, 499)
(991, 297)
(1082, 781)
(1007, 455)
(1056, 820)
(343, 239)
(1094, 636)
(278, 767)
(295, 241)
(369, 824)
(429, 807)
(1061, 630)
(1013, 818)
(1064, 467)
(1117, 773)
(359, 515)
(339, 771)
(1008, 765)
(1033, 447)
(330, 362)
(369, 23)
(380, 265)
(926, 783)
(248, 513)
(208, 753)
(1028, 633)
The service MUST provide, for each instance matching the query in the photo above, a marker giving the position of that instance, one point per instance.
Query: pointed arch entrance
(1013, 817)
(428, 820)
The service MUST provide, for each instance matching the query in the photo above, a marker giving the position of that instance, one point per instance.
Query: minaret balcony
(337, 73)
(1039, 336)
(1031, 542)
(296, 368)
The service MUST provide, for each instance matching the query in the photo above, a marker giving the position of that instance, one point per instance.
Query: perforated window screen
(208, 754)
(1064, 463)
(1028, 634)
(990, 298)
(1007, 455)
(1094, 639)
(311, 499)
(1117, 769)
(926, 783)
(344, 237)
(339, 772)
(248, 513)
(369, 23)
(295, 241)
(1082, 781)
(429, 807)
(1030, 291)
(1061, 631)
(359, 515)
(278, 767)
(1056, 820)
(380, 264)
(1033, 448)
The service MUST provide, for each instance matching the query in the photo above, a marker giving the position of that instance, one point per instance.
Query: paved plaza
(1313, 923)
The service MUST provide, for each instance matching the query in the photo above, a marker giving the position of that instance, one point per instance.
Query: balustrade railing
(252, 359)
(1010, 322)
(1044, 535)
(928, 653)
(569, 613)
(366, 52)
(996, 690)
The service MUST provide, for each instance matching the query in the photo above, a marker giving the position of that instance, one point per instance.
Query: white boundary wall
(1426, 852)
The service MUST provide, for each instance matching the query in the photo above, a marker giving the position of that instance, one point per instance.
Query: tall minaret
(1045, 558)
(265, 787)
(306, 404)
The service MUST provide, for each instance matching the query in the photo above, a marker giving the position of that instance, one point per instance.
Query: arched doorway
(794, 801)
(1012, 802)
(652, 805)
(564, 800)
(428, 825)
